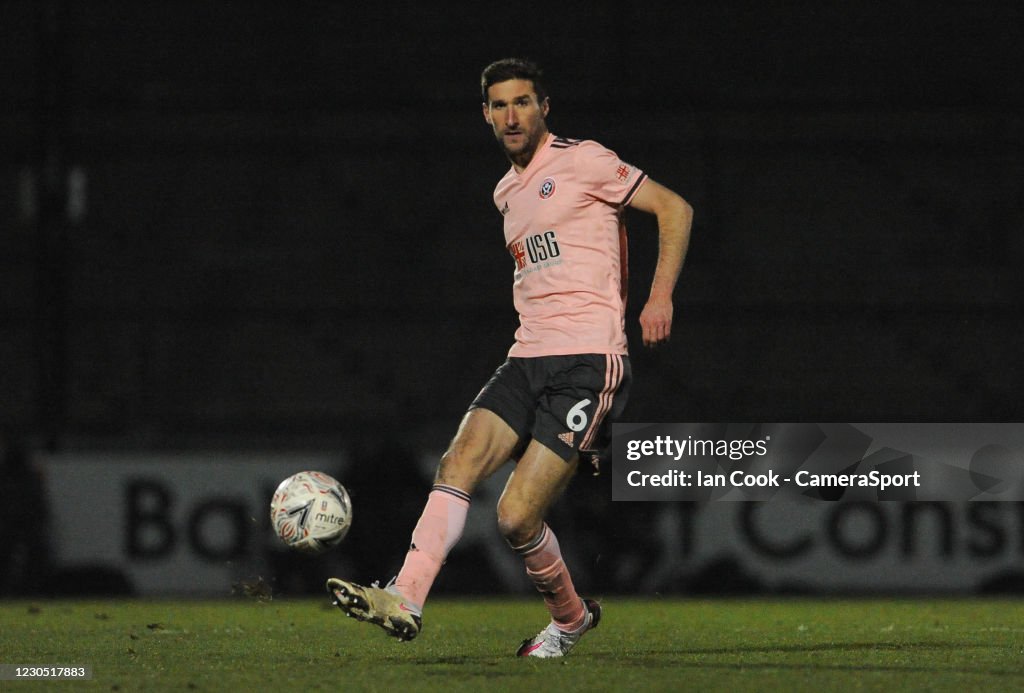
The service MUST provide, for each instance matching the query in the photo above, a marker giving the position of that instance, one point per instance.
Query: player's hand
(656, 321)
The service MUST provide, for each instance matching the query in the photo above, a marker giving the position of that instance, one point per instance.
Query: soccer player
(568, 372)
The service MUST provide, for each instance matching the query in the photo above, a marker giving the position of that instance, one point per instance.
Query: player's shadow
(670, 658)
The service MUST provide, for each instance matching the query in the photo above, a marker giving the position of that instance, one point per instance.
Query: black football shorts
(564, 402)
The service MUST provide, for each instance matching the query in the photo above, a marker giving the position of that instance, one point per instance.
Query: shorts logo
(547, 188)
(566, 438)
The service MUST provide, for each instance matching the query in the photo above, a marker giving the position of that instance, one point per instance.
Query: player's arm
(675, 216)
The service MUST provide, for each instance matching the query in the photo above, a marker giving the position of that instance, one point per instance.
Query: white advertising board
(171, 524)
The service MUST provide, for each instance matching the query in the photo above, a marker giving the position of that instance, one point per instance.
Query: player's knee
(468, 461)
(456, 469)
(517, 525)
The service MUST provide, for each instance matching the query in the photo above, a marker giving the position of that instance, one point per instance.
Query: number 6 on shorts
(576, 419)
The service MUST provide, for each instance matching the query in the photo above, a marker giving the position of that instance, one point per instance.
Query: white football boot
(552, 642)
(384, 607)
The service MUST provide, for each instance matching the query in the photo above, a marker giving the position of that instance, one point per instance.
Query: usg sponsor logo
(534, 249)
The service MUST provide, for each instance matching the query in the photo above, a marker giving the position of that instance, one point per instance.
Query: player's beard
(523, 154)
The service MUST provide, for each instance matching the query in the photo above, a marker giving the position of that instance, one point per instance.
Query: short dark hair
(513, 68)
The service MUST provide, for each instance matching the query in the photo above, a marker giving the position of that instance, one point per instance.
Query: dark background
(269, 225)
(287, 233)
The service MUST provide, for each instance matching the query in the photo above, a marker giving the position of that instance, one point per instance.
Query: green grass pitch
(641, 645)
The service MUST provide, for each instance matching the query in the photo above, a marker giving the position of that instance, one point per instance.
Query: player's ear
(545, 106)
(487, 114)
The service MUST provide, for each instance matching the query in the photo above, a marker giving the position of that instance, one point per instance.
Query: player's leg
(490, 432)
(487, 437)
(539, 479)
(581, 393)
(482, 445)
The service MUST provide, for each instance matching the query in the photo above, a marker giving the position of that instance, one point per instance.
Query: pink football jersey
(563, 227)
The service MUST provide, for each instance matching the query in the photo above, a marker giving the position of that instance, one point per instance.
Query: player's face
(517, 117)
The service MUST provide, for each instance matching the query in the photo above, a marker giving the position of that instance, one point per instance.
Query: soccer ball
(311, 512)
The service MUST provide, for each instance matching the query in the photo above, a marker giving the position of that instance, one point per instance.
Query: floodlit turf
(642, 645)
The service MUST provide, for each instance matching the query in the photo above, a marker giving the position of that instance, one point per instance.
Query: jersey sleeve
(605, 175)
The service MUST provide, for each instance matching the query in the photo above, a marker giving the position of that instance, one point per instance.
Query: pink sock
(438, 530)
(549, 573)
